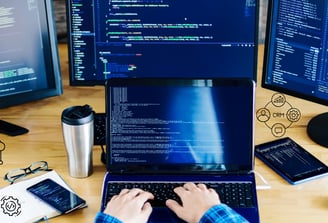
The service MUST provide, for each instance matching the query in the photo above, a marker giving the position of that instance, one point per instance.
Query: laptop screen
(178, 124)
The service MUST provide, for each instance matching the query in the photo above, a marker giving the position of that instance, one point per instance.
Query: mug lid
(77, 115)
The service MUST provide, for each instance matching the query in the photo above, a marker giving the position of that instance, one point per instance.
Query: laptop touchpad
(163, 215)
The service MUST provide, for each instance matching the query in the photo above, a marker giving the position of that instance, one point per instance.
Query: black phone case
(11, 129)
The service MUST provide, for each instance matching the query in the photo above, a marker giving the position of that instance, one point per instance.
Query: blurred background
(60, 13)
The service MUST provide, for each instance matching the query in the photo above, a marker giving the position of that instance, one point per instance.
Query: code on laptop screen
(200, 124)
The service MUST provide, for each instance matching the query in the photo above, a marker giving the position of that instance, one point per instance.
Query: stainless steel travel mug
(77, 127)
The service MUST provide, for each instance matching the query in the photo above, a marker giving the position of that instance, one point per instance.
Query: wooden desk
(307, 202)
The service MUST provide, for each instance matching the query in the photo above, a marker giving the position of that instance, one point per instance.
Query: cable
(103, 154)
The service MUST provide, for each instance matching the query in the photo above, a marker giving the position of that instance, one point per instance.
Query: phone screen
(290, 160)
(57, 196)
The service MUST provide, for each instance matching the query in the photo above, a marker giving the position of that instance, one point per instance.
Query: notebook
(185, 130)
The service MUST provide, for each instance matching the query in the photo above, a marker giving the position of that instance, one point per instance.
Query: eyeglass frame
(27, 171)
(3, 147)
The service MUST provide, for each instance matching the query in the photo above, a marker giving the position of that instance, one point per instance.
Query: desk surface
(306, 202)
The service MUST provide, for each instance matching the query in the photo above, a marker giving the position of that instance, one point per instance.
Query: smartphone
(290, 160)
(11, 129)
(57, 196)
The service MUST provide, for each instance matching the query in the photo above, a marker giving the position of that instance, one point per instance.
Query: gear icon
(293, 114)
(10, 206)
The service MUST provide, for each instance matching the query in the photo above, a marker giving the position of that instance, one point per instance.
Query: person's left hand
(130, 206)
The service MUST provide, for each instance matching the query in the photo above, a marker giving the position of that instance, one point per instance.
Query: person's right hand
(130, 206)
(196, 200)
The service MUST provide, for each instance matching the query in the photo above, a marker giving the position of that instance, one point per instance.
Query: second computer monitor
(161, 38)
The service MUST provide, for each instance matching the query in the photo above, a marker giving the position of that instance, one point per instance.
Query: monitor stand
(317, 129)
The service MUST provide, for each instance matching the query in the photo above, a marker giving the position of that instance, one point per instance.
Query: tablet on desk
(290, 160)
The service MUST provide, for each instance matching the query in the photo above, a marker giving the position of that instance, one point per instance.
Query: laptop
(180, 130)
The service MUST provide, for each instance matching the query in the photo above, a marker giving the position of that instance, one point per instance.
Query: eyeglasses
(35, 167)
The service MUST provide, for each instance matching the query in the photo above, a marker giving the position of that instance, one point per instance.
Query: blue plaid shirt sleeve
(218, 214)
(105, 218)
(222, 213)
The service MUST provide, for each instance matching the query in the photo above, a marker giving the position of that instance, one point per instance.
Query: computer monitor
(296, 55)
(29, 62)
(161, 38)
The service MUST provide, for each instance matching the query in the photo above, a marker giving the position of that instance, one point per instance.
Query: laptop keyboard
(234, 194)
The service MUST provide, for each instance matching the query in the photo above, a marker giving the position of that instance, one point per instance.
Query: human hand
(196, 200)
(130, 206)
